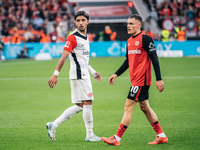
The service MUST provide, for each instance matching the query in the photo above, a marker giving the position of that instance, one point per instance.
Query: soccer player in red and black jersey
(141, 52)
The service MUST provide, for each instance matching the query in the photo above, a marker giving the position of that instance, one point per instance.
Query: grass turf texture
(27, 104)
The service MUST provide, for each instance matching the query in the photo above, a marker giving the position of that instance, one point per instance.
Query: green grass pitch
(27, 104)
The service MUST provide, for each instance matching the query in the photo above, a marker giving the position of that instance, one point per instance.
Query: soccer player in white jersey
(77, 48)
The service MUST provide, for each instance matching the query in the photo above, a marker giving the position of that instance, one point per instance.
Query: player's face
(133, 26)
(81, 23)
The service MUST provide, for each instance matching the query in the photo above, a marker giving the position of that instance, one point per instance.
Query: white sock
(117, 138)
(88, 119)
(162, 135)
(67, 114)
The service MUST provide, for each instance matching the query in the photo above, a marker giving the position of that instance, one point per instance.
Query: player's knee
(144, 108)
(127, 108)
(79, 104)
(87, 102)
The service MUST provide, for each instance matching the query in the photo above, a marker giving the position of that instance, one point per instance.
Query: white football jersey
(78, 44)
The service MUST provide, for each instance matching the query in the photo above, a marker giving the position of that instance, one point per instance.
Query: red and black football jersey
(141, 52)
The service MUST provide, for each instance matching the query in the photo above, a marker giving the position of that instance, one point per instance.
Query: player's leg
(131, 101)
(88, 120)
(153, 119)
(68, 113)
(126, 119)
(86, 95)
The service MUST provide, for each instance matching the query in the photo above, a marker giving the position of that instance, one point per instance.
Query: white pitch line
(62, 78)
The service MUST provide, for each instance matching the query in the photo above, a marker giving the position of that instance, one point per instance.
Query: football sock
(162, 135)
(67, 114)
(88, 119)
(156, 126)
(122, 128)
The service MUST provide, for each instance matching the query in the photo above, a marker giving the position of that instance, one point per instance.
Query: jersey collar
(136, 35)
(77, 33)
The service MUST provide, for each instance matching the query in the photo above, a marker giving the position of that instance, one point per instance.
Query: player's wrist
(56, 73)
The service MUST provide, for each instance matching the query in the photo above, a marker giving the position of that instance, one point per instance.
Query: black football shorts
(138, 93)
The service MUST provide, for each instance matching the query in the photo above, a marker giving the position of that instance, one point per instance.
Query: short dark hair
(81, 13)
(137, 17)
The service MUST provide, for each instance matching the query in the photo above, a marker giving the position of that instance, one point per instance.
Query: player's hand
(97, 76)
(53, 81)
(160, 85)
(112, 78)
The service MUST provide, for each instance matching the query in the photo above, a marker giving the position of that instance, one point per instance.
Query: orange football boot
(159, 140)
(111, 140)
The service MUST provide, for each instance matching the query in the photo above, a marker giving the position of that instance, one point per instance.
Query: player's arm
(68, 48)
(149, 46)
(54, 78)
(121, 70)
(96, 75)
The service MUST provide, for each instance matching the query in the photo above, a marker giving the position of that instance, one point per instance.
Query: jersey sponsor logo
(151, 47)
(137, 43)
(134, 51)
(90, 94)
(67, 44)
(86, 52)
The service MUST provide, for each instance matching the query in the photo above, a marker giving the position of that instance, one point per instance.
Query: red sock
(156, 127)
(122, 128)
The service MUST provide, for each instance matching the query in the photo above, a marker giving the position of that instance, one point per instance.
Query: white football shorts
(81, 90)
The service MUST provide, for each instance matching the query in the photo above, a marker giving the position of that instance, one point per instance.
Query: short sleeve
(70, 43)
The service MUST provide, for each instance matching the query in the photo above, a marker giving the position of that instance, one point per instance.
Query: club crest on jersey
(137, 43)
(67, 44)
(90, 94)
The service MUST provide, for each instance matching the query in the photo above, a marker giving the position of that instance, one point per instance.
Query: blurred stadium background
(37, 29)
(26, 23)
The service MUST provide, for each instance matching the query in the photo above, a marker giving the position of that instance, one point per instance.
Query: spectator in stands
(38, 22)
(24, 52)
(150, 33)
(66, 9)
(190, 12)
(28, 35)
(181, 34)
(1, 47)
(166, 10)
(165, 35)
(53, 35)
(44, 37)
(176, 20)
(52, 15)
(109, 35)
(37, 38)
(197, 7)
(154, 14)
(5, 30)
(16, 39)
(147, 24)
(25, 20)
(62, 28)
(58, 17)
(91, 37)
